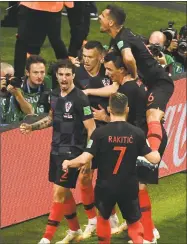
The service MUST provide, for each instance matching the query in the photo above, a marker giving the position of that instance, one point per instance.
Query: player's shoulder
(79, 95)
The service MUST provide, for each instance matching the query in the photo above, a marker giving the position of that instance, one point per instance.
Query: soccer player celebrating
(138, 59)
(116, 147)
(136, 93)
(91, 74)
(70, 114)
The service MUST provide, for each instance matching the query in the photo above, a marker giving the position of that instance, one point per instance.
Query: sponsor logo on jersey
(87, 110)
(68, 105)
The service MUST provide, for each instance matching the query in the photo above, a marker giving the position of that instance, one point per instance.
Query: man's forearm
(25, 106)
(131, 66)
(104, 91)
(42, 124)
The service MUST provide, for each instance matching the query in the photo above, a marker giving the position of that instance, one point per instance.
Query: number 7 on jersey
(119, 160)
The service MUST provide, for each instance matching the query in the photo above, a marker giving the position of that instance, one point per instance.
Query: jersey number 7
(119, 160)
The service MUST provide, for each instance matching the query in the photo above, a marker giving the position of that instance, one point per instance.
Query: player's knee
(154, 115)
(61, 194)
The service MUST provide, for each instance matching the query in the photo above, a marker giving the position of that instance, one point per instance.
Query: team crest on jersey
(68, 105)
(106, 82)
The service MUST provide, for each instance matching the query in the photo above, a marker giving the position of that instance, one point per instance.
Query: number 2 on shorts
(119, 160)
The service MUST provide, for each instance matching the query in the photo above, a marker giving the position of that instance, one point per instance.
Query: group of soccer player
(103, 104)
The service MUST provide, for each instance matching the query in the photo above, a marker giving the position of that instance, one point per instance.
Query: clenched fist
(25, 128)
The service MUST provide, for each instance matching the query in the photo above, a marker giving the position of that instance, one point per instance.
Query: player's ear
(73, 76)
(27, 72)
(111, 23)
(121, 70)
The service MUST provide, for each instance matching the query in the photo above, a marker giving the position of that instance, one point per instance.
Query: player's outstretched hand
(99, 114)
(65, 165)
(25, 128)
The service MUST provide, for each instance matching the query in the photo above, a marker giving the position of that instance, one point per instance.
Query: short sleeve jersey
(148, 67)
(84, 81)
(69, 112)
(136, 92)
(115, 148)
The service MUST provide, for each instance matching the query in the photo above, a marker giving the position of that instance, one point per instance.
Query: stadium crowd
(110, 97)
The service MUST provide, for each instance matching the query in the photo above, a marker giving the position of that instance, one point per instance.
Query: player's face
(36, 73)
(112, 72)
(104, 19)
(65, 78)
(91, 58)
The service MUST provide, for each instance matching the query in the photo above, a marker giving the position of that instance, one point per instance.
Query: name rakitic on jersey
(120, 139)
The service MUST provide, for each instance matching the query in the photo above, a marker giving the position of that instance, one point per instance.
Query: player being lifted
(116, 147)
(138, 59)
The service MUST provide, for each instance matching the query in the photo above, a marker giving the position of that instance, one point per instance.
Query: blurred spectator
(36, 20)
(79, 21)
(10, 95)
(10, 20)
(93, 11)
(156, 45)
(36, 85)
(178, 51)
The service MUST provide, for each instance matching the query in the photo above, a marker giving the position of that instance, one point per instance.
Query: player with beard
(116, 147)
(136, 93)
(91, 74)
(70, 114)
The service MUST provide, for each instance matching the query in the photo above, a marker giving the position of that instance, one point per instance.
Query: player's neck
(115, 118)
(126, 78)
(65, 93)
(95, 71)
(114, 31)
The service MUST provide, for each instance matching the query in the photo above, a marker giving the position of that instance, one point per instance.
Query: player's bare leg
(61, 196)
(154, 135)
(87, 196)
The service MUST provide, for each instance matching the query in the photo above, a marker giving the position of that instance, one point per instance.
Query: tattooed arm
(41, 124)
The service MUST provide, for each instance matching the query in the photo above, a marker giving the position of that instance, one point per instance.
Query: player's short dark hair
(64, 63)
(34, 59)
(117, 14)
(94, 44)
(118, 103)
(115, 58)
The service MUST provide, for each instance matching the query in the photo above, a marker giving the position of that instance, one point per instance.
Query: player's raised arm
(104, 91)
(41, 124)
